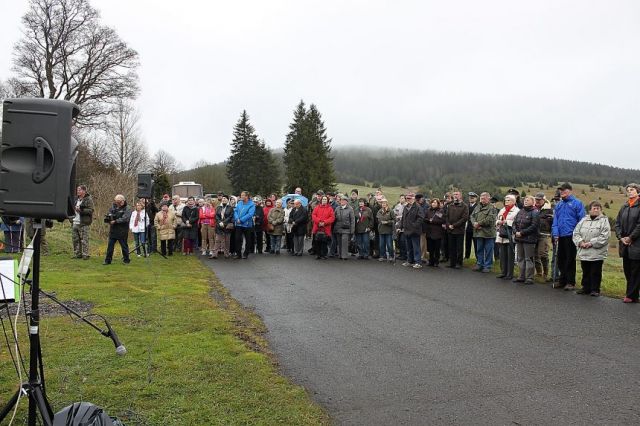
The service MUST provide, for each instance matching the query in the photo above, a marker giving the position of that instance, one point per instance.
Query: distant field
(391, 192)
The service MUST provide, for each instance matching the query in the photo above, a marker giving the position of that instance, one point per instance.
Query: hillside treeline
(438, 170)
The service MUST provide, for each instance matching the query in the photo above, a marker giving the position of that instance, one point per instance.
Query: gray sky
(542, 78)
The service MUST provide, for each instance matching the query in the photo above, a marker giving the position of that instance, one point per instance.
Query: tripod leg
(10, 404)
(43, 405)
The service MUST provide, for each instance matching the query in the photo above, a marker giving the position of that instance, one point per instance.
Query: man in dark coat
(298, 219)
(456, 219)
(118, 220)
(628, 233)
(412, 219)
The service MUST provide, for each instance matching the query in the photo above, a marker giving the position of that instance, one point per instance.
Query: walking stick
(554, 262)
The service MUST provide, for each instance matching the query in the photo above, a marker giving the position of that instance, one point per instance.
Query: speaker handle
(40, 174)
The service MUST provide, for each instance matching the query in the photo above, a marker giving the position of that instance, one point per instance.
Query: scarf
(135, 222)
(507, 209)
(165, 215)
(633, 201)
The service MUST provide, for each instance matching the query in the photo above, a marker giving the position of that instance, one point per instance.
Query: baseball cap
(564, 186)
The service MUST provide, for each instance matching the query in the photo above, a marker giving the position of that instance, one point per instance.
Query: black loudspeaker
(38, 158)
(145, 185)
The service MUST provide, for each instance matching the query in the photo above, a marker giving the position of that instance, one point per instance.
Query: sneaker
(594, 294)
(485, 270)
(627, 300)
(381, 259)
(406, 264)
(569, 287)
(417, 266)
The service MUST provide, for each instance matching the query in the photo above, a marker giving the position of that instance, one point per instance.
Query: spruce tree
(307, 152)
(251, 166)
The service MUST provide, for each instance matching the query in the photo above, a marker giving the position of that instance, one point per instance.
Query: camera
(109, 217)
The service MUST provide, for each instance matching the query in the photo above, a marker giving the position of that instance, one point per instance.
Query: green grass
(193, 359)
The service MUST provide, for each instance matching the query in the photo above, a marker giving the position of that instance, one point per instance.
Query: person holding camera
(118, 219)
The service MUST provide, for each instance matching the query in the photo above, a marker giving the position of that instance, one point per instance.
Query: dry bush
(103, 186)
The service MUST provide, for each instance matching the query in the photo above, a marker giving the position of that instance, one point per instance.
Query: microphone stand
(34, 389)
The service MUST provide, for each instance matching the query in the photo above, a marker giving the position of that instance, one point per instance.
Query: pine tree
(307, 152)
(294, 151)
(251, 166)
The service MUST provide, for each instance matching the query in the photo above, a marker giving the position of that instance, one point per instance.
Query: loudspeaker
(145, 185)
(38, 158)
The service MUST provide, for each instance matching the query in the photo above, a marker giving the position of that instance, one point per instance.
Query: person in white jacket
(138, 225)
(504, 238)
(591, 237)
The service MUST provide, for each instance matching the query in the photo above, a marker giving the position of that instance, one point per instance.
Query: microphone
(120, 349)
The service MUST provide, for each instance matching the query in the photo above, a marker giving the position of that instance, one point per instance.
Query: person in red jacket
(268, 205)
(322, 217)
(207, 216)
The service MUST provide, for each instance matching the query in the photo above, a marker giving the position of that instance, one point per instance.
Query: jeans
(276, 240)
(140, 241)
(413, 248)
(124, 246)
(362, 240)
(386, 246)
(484, 252)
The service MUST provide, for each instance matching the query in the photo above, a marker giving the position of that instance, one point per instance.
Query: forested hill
(395, 167)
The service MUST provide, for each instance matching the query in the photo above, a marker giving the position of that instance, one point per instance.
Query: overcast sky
(543, 78)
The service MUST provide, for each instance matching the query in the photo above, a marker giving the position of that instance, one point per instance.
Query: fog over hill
(438, 170)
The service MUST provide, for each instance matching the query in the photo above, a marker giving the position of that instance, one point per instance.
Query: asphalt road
(378, 344)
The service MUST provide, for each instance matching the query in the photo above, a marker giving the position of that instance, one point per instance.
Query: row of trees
(307, 160)
(437, 170)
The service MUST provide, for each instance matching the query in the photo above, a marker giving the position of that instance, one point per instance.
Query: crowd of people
(542, 237)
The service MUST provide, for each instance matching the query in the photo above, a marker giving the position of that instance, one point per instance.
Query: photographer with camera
(118, 219)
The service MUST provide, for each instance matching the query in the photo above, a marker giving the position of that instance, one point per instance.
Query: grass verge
(195, 356)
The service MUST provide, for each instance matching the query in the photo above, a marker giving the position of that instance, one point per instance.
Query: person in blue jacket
(568, 212)
(243, 220)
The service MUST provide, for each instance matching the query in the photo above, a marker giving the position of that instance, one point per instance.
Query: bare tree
(127, 151)
(164, 163)
(66, 53)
